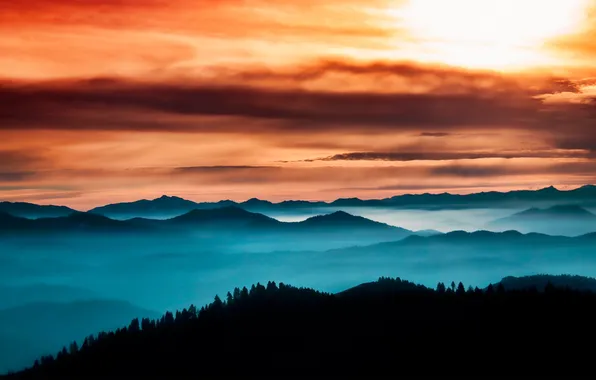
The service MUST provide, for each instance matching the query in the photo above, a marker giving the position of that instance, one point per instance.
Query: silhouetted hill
(45, 326)
(75, 222)
(570, 220)
(84, 221)
(13, 223)
(223, 222)
(341, 219)
(485, 237)
(562, 211)
(385, 287)
(228, 217)
(462, 246)
(348, 226)
(541, 281)
(33, 211)
(377, 328)
(161, 208)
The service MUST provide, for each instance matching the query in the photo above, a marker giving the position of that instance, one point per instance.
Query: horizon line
(303, 200)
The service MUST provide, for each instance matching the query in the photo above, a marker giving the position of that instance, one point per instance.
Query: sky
(104, 101)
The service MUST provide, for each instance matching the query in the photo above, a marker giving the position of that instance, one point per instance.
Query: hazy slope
(33, 211)
(13, 296)
(568, 220)
(75, 222)
(43, 328)
(375, 328)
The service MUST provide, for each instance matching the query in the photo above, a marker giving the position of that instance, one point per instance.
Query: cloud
(388, 95)
(434, 134)
(128, 105)
(446, 155)
(15, 176)
(17, 164)
(221, 169)
(471, 171)
(287, 181)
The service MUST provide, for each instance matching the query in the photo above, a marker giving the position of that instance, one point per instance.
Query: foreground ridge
(390, 324)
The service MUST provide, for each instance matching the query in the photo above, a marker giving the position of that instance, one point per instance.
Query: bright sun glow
(490, 33)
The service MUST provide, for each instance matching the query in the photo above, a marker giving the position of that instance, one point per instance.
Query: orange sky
(112, 100)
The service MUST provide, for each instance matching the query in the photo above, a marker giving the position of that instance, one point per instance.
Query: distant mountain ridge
(574, 211)
(508, 242)
(228, 220)
(171, 206)
(34, 211)
(584, 196)
(164, 206)
(77, 221)
(569, 220)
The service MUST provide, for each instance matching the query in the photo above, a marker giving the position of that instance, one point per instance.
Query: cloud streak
(448, 156)
(476, 101)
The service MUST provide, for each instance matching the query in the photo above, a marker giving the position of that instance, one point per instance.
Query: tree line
(389, 324)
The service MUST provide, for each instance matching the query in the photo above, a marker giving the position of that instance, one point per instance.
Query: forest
(388, 325)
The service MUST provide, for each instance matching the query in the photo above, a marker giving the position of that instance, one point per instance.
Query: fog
(439, 220)
(152, 274)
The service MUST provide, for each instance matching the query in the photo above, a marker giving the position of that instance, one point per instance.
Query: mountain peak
(223, 214)
(343, 218)
(549, 189)
(341, 214)
(168, 197)
(256, 201)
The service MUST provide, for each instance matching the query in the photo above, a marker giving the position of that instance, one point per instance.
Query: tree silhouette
(500, 288)
(134, 325)
(74, 348)
(490, 289)
(284, 329)
(271, 286)
(217, 303)
(460, 289)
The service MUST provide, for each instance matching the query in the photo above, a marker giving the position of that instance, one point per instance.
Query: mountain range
(224, 220)
(457, 247)
(171, 206)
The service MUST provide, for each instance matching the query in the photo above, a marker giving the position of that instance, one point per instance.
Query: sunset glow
(492, 34)
(293, 99)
